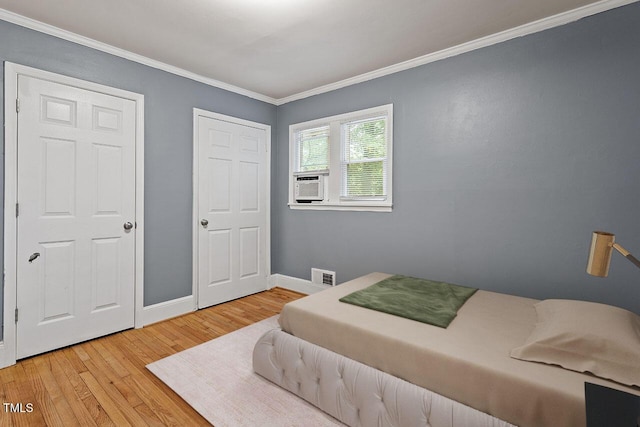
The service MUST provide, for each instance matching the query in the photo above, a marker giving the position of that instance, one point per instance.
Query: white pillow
(586, 337)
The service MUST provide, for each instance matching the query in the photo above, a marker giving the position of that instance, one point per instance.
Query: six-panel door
(232, 211)
(76, 192)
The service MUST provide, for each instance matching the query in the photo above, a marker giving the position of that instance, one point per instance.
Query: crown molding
(32, 24)
(523, 30)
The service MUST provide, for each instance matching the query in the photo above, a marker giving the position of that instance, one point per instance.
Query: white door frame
(11, 71)
(197, 112)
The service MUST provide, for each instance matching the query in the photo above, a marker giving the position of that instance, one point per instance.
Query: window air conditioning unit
(309, 188)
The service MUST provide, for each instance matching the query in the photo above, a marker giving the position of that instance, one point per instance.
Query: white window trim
(332, 183)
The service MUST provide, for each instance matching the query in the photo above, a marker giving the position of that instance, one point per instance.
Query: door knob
(204, 222)
(128, 226)
(34, 256)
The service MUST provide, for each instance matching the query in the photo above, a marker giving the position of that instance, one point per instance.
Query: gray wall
(505, 159)
(169, 103)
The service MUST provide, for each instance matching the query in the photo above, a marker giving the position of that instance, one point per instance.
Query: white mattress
(468, 361)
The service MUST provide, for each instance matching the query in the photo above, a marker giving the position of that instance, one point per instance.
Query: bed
(466, 368)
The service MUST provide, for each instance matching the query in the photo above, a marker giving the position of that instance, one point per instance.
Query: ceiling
(279, 49)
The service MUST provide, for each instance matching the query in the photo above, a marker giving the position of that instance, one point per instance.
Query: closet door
(232, 208)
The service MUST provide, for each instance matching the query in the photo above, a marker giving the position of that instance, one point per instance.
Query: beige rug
(217, 379)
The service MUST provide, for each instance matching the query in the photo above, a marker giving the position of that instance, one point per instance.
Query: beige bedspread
(468, 362)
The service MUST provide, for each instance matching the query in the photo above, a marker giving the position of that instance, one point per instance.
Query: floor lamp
(602, 244)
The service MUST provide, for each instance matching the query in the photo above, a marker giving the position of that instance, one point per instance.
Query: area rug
(217, 379)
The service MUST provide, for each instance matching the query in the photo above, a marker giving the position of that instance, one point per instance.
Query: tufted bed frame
(354, 393)
(368, 368)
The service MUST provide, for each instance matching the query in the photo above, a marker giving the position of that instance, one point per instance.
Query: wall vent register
(323, 277)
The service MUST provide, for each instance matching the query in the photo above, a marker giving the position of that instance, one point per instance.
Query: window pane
(364, 158)
(365, 179)
(366, 139)
(313, 149)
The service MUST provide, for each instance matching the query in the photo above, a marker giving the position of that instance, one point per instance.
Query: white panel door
(76, 195)
(232, 211)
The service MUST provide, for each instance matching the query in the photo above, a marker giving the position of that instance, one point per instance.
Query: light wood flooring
(104, 382)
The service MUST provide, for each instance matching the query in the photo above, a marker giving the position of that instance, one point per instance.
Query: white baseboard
(295, 284)
(168, 309)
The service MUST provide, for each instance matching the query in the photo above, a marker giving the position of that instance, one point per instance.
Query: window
(312, 146)
(342, 162)
(364, 160)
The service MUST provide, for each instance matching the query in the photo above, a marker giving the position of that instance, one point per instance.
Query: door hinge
(16, 314)
(17, 209)
(17, 105)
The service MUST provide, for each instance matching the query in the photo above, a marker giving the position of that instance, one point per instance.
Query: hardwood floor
(104, 382)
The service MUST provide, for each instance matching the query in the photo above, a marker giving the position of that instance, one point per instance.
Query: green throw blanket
(436, 303)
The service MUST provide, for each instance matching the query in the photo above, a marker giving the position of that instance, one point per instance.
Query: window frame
(333, 199)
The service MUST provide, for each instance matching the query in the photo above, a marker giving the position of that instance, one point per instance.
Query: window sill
(355, 206)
